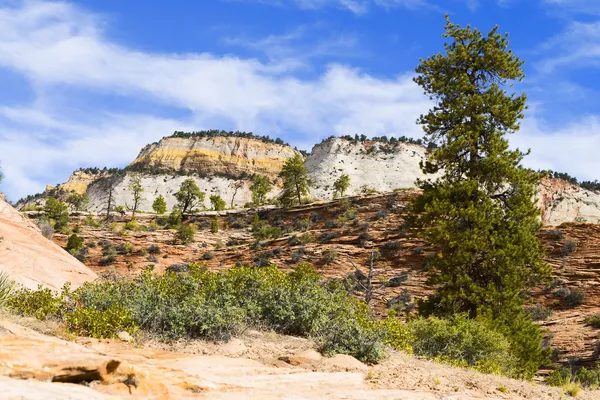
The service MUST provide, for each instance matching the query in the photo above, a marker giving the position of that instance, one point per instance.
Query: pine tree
(260, 188)
(159, 205)
(479, 215)
(295, 180)
(136, 189)
(217, 203)
(189, 196)
(341, 185)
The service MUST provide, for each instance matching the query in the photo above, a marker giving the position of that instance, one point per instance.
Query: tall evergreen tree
(159, 205)
(479, 214)
(341, 185)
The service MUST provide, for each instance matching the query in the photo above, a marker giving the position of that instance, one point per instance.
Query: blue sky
(89, 82)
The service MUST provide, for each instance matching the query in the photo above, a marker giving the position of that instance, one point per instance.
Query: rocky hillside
(224, 165)
(30, 259)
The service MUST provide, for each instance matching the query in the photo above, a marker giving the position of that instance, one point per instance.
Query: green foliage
(136, 189)
(214, 225)
(479, 215)
(154, 249)
(6, 288)
(593, 320)
(340, 186)
(40, 303)
(77, 201)
(189, 196)
(461, 340)
(175, 218)
(260, 188)
(57, 212)
(564, 376)
(217, 203)
(74, 243)
(186, 232)
(89, 321)
(131, 225)
(295, 181)
(159, 205)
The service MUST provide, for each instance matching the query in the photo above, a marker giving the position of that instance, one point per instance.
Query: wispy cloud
(354, 6)
(58, 47)
(301, 46)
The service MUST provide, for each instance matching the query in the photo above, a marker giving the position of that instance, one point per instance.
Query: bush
(186, 232)
(539, 312)
(332, 224)
(463, 341)
(89, 321)
(327, 237)
(568, 247)
(381, 214)
(124, 248)
(302, 224)
(46, 228)
(40, 303)
(570, 297)
(294, 241)
(154, 249)
(392, 247)
(363, 238)
(208, 256)
(329, 256)
(131, 225)
(306, 238)
(175, 218)
(593, 321)
(567, 376)
(74, 243)
(265, 231)
(107, 260)
(555, 234)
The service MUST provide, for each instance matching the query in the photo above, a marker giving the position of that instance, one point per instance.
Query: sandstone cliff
(225, 156)
(380, 166)
(30, 259)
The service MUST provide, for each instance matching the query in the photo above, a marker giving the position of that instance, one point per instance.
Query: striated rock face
(562, 201)
(30, 259)
(79, 181)
(380, 166)
(228, 156)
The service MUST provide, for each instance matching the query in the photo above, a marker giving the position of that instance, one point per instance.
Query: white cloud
(57, 46)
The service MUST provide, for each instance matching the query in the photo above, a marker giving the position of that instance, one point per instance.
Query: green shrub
(131, 225)
(555, 234)
(40, 303)
(186, 232)
(74, 243)
(106, 261)
(564, 376)
(154, 249)
(265, 231)
(124, 248)
(88, 321)
(463, 341)
(593, 321)
(539, 312)
(175, 218)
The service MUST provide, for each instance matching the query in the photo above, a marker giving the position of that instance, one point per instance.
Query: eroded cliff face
(562, 201)
(79, 181)
(225, 156)
(380, 166)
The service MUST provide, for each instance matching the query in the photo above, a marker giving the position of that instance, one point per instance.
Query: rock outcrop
(562, 201)
(216, 156)
(30, 259)
(375, 165)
